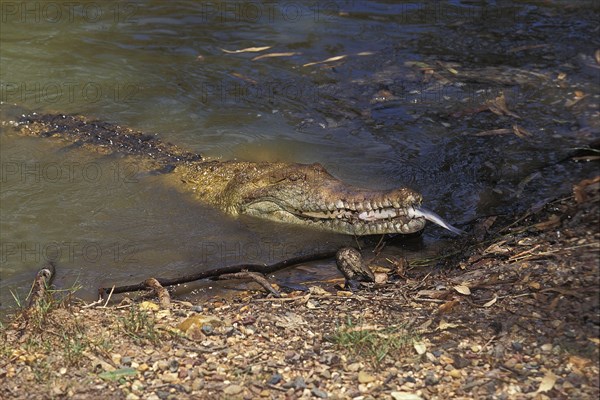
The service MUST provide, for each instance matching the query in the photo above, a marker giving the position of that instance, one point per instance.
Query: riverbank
(515, 316)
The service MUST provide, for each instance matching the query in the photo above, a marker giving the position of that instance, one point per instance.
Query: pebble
(353, 367)
(547, 347)
(169, 377)
(460, 362)
(516, 346)
(162, 365)
(275, 379)
(455, 373)
(431, 379)
(232, 390)
(364, 377)
(319, 393)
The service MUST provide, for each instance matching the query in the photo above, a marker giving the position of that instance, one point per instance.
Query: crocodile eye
(293, 176)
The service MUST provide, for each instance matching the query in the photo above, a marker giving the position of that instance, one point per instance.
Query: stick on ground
(42, 281)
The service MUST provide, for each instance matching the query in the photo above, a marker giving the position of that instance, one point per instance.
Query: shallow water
(160, 67)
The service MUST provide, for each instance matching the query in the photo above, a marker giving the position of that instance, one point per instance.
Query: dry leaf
(443, 325)
(381, 278)
(547, 382)
(491, 302)
(499, 107)
(405, 396)
(580, 362)
(497, 248)
(552, 222)
(332, 59)
(579, 189)
(447, 306)
(492, 132)
(420, 347)
(247, 50)
(271, 55)
(521, 132)
(244, 78)
(149, 306)
(463, 289)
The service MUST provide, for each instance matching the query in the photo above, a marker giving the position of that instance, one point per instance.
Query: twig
(213, 273)
(255, 276)
(161, 292)
(41, 282)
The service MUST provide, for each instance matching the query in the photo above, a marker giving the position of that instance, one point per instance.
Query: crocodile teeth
(339, 204)
(378, 214)
(368, 206)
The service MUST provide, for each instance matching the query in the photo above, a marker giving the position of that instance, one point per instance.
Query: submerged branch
(217, 272)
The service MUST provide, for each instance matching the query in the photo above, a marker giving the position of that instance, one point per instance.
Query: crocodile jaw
(352, 217)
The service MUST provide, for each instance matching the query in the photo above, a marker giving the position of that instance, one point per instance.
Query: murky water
(402, 107)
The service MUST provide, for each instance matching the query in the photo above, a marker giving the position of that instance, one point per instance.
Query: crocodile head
(308, 195)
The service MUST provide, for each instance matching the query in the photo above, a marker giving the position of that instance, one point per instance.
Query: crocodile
(301, 194)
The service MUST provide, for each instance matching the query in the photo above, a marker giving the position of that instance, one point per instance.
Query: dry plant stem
(255, 276)
(41, 282)
(161, 292)
(213, 273)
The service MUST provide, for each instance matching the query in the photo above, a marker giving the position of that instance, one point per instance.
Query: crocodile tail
(105, 137)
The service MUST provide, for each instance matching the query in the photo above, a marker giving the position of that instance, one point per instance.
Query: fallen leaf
(331, 59)
(420, 347)
(547, 382)
(149, 306)
(244, 78)
(492, 132)
(550, 223)
(246, 50)
(499, 107)
(497, 248)
(580, 362)
(364, 377)
(117, 374)
(521, 132)
(405, 396)
(447, 306)
(491, 302)
(381, 278)
(272, 55)
(443, 325)
(463, 289)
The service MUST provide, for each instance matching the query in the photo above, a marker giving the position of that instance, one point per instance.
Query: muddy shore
(513, 314)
